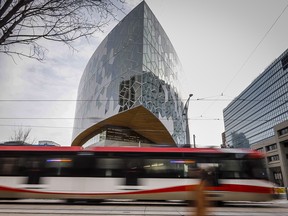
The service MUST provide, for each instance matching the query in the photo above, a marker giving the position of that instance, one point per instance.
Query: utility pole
(194, 141)
(185, 112)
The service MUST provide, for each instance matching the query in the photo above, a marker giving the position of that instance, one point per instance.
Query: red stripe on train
(224, 187)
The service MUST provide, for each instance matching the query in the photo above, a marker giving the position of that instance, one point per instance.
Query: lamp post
(185, 112)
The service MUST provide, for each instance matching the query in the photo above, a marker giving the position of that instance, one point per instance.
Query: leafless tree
(21, 135)
(24, 22)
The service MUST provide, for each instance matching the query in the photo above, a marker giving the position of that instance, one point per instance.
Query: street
(31, 207)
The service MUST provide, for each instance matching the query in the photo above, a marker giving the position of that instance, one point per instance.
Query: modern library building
(129, 91)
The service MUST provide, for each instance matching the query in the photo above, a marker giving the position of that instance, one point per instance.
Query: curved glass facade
(135, 65)
(251, 117)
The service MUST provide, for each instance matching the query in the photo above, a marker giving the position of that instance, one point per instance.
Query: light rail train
(101, 173)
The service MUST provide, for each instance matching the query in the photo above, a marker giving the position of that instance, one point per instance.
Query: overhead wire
(198, 99)
(254, 50)
(100, 119)
(248, 58)
(69, 127)
(101, 100)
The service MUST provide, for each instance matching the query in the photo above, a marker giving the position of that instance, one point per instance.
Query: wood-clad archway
(138, 119)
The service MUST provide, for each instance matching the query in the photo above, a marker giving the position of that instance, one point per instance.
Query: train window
(243, 169)
(58, 166)
(256, 169)
(230, 169)
(209, 172)
(109, 167)
(110, 163)
(9, 166)
(83, 165)
(168, 168)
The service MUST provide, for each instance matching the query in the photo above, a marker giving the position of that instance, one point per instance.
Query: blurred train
(101, 173)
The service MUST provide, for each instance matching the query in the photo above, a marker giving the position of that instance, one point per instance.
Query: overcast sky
(223, 46)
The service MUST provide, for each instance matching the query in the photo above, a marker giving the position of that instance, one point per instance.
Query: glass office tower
(251, 116)
(129, 91)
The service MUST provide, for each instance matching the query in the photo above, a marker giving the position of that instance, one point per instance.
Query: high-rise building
(251, 117)
(129, 91)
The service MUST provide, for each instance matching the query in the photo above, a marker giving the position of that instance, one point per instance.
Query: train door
(134, 171)
(33, 170)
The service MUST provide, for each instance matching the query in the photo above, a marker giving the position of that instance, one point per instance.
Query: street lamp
(185, 112)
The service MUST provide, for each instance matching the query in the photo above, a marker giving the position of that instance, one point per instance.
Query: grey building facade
(132, 77)
(250, 118)
(276, 154)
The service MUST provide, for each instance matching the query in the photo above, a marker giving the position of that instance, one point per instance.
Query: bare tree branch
(21, 135)
(27, 21)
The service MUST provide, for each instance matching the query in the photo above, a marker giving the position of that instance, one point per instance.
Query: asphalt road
(55, 208)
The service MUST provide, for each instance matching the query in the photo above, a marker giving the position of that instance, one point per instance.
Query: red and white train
(101, 173)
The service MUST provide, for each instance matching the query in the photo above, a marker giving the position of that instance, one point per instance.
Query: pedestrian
(200, 195)
(201, 202)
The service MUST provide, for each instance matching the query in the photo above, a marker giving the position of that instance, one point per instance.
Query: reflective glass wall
(251, 117)
(135, 65)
